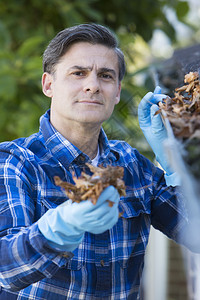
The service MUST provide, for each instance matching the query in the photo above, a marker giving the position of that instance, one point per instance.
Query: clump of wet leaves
(183, 113)
(91, 186)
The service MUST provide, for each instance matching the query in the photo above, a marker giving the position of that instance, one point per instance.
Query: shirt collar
(60, 147)
(107, 153)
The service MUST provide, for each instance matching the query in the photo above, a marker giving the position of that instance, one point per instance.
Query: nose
(91, 85)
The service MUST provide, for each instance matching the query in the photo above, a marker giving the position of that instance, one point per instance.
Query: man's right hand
(64, 226)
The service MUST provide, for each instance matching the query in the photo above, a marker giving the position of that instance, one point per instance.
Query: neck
(83, 136)
(86, 141)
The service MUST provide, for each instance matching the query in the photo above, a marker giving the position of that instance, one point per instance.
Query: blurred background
(150, 33)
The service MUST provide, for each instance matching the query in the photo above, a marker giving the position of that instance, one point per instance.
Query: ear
(47, 80)
(117, 99)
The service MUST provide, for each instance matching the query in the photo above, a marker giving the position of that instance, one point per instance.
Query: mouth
(90, 102)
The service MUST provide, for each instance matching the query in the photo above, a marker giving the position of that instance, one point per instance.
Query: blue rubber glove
(64, 226)
(155, 132)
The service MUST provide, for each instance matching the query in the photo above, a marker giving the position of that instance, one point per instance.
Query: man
(52, 248)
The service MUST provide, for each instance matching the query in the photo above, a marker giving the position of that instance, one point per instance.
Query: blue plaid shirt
(104, 266)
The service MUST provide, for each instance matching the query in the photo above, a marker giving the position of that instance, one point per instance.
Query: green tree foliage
(26, 28)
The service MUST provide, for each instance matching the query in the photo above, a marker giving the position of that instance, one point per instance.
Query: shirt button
(82, 158)
(102, 262)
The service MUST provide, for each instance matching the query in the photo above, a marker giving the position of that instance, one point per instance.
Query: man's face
(84, 87)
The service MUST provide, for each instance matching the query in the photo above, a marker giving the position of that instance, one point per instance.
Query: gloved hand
(155, 132)
(65, 225)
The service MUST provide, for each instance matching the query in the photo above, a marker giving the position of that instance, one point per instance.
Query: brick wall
(177, 277)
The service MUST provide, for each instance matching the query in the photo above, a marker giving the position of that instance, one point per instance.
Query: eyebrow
(101, 70)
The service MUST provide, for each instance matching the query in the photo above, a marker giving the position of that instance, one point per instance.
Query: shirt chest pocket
(131, 232)
(48, 203)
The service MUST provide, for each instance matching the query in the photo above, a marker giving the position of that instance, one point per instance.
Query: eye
(106, 76)
(79, 73)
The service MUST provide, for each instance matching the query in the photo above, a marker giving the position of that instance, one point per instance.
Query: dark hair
(92, 33)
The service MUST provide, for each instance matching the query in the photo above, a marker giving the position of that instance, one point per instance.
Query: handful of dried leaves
(183, 113)
(183, 110)
(91, 186)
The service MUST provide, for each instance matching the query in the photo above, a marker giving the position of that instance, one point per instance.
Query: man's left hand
(153, 127)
